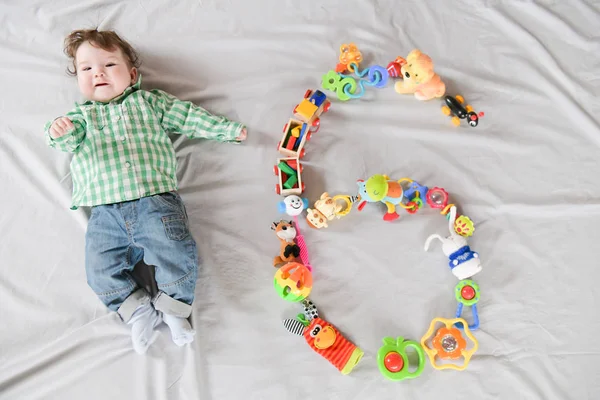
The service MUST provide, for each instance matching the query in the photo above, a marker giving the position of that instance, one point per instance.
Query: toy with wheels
(289, 173)
(453, 106)
(448, 344)
(295, 135)
(311, 107)
(393, 360)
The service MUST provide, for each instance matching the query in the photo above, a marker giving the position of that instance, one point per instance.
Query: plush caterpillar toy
(324, 338)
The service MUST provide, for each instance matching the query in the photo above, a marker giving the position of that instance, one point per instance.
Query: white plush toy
(463, 261)
(292, 205)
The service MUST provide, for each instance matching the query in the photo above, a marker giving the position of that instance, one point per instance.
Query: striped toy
(325, 339)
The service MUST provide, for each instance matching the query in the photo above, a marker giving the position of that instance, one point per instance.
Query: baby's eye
(86, 68)
(110, 64)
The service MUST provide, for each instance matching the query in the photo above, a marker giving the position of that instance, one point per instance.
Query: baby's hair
(106, 40)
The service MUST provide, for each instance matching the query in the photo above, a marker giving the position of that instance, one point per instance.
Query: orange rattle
(449, 344)
(349, 53)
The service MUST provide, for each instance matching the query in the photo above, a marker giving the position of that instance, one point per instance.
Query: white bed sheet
(528, 177)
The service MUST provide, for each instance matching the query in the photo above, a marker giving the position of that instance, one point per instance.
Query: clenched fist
(60, 127)
(243, 135)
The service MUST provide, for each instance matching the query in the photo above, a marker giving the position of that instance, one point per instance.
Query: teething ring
(412, 207)
(393, 361)
(400, 181)
(446, 209)
(449, 344)
(348, 203)
(418, 201)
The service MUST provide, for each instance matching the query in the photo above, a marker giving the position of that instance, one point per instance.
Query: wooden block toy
(295, 135)
(311, 107)
(289, 173)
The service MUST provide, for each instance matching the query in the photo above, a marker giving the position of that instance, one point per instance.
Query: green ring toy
(471, 295)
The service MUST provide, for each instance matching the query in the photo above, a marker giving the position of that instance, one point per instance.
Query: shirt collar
(136, 86)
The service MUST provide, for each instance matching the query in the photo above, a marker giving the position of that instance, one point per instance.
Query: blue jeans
(154, 229)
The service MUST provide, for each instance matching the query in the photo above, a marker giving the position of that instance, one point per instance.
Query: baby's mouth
(100, 84)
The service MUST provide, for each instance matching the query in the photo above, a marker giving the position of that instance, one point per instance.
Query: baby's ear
(134, 75)
(413, 54)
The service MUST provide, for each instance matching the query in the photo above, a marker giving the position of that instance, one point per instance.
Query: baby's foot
(143, 321)
(181, 330)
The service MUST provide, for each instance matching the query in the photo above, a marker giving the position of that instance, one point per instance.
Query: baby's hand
(243, 135)
(60, 127)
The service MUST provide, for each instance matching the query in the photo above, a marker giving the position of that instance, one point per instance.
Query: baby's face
(102, 75)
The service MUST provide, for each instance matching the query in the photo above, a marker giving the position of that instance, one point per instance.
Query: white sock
(143, 321)
(181, 330)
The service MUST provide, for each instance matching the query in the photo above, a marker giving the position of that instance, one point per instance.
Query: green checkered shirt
(122, 150)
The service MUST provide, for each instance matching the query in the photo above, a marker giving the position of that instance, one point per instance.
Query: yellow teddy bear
(419, 77)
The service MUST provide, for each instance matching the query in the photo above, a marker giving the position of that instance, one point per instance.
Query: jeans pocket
(176, 226)
(170, 200)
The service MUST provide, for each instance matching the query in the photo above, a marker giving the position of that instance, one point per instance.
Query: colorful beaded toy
(293, 280)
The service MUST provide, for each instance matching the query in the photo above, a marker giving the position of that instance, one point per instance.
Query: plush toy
(381, 188)
(288, 250)
(419, 77)
(325, 339)
(292, 205)
(463, 262)
(327, 208)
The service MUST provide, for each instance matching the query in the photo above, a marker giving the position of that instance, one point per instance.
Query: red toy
(289, 172)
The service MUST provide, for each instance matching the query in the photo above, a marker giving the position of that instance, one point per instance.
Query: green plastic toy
(393, 360)
(467, 292)
(291, 173)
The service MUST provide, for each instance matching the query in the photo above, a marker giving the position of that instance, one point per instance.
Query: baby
(124, 168)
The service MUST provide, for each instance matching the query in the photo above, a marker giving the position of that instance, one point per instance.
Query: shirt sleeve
(73, 139)
(184, 117)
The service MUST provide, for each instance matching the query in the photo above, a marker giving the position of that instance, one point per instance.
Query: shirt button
(118, 117)
(128, 164)
(122, 138)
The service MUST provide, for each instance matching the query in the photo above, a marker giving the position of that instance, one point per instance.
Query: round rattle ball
(293, 282)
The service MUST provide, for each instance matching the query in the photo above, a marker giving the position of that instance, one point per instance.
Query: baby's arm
(185, 117)
(66, 133)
